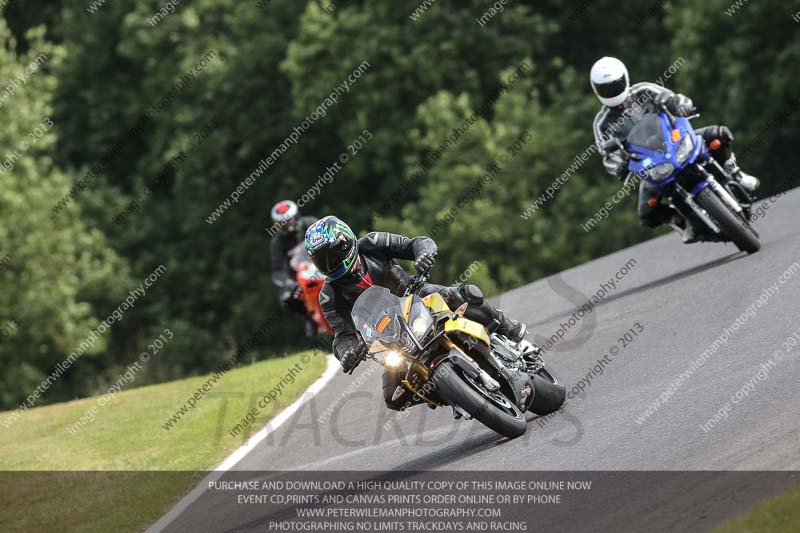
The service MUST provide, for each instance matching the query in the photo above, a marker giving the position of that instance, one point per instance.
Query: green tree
(444, 49)
(62, 275)
(532, 146)
(738, 71)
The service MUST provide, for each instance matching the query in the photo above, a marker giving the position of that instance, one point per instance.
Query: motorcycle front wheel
(493, 410)
(736, 228)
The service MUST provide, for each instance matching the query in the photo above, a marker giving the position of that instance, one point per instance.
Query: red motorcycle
(310, 281)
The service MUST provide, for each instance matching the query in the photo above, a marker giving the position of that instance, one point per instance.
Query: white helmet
(610, 82)
(286, 214)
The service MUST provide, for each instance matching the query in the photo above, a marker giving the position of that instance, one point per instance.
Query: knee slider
(723, 133)
(472, 293)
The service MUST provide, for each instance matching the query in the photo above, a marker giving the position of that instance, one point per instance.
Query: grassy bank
(775, 515)
(127, 442)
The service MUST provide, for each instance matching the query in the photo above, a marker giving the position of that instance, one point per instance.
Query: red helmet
(286, 214)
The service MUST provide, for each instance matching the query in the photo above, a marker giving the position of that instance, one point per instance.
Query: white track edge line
(246, 448)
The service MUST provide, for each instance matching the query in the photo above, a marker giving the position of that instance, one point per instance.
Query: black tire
(452, 387)
(735, 227)
(549, 393)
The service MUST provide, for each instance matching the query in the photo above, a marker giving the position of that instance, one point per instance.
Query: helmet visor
(610, 89)
(340, 259)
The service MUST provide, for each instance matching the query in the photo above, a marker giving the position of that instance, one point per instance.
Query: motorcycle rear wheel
(549, 394)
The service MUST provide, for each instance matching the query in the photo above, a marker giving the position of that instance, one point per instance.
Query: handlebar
(661, 102)
(362, 356)
(416, 283)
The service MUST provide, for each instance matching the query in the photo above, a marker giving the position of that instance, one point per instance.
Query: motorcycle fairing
(666, 152)
(436, 304)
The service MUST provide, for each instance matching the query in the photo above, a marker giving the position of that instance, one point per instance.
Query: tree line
(146, 124)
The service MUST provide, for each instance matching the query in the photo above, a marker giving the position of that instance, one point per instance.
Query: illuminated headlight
(661, 172)
(685, 149)
(393, 359)
(421, 325)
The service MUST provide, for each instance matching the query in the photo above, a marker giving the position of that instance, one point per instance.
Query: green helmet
(332, 246)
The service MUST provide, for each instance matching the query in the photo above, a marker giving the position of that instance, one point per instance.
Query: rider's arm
(613, 162)
(395, 246)
(344, 331)
(280, 266)
(678, 104)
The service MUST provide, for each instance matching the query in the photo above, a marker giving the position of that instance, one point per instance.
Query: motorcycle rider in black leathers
(353, 265)
(623, 107)
(289, 229)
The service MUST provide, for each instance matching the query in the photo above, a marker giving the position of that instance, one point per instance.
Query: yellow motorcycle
(446, 359)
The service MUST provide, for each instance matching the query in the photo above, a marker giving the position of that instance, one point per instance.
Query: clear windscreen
(647, 133)
(375, 315)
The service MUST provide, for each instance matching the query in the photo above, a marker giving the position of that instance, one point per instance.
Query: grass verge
(774, 515)
(123, 470)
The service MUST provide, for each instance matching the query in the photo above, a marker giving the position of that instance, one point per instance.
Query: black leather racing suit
(282, 274)
(377, 252)
(617, 122)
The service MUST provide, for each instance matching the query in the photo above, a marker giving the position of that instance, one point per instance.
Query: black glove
(352, 357)
(662, 99)
(680, 105)
(291, 291)
(424, 262)
(620, 166)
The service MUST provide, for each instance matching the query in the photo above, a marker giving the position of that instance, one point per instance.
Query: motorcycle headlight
(661, 172)
(421, 325)
(393, 359)
(685, 149)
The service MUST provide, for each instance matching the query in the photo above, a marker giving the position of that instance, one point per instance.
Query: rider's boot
(680, 223)
(513, 329)
(750, 183)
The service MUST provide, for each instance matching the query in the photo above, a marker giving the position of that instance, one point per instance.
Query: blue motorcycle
(664, 150)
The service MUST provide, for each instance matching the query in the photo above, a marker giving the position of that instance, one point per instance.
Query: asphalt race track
(682, 297)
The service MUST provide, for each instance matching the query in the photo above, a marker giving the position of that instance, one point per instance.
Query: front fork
(698, 211)
(722, 192)
(745, 199)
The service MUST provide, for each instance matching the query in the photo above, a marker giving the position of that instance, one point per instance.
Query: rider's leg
(722, 134)
(725, 156)
(653, 213)
(479, 309)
